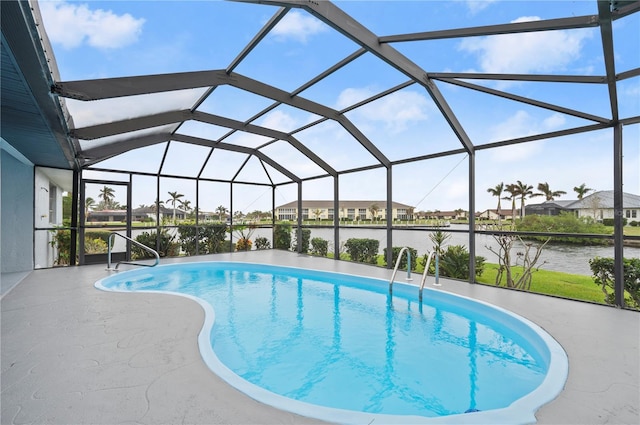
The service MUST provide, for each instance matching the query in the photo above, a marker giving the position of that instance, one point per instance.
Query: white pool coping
(521, 411)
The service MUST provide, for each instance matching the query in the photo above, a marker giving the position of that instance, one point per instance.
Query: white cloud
(71, 25)
(298, 26)
(518, 125)
(396, 111)
(279, 120)
(546, 51)
(553, 122)
(476, 6)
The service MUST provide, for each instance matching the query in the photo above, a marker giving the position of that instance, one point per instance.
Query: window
(330, 213)
(53, 205)
(305, 213)
(287, 214)
(351, 213)
(362, 213)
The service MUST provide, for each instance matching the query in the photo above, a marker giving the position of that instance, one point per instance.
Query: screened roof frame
(369, 42)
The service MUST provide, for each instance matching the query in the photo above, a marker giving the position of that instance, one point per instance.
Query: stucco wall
(16, 211)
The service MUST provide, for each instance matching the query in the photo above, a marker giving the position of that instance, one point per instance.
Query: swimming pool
(337, 347)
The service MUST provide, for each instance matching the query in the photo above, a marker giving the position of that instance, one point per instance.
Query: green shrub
(282, 236)
(403, 261)
(604, 275)
(263, 243)
(95, 246)
(209, 237)
(454, 262)
(306, 235)
(363, 250)
(610, 222)
(319, 247)
(167, 248)
(634, 223)
(563, 223)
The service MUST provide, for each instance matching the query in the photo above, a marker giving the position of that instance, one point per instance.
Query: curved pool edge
(521, 411)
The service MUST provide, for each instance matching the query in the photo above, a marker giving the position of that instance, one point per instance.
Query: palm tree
(185, 205)
(175, 196)
(512, 190)
(497, 191)
(523, 191)
(374, 208)
(317, 213)
(107, 194)
(582, 190)
(89, 204)
(547, 192)
(221, 210)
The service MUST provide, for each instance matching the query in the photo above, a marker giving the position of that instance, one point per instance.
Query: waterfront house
(598, 205)
(347, 210)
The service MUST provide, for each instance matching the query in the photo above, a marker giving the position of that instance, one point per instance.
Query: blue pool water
(340, 348)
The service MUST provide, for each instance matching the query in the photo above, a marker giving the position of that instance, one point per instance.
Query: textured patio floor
(72, 354)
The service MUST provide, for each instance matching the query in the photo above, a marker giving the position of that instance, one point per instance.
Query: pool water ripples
(325, 344)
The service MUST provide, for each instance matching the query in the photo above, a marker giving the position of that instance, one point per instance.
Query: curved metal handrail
(146, 248)
(395, 270)
(426, 270)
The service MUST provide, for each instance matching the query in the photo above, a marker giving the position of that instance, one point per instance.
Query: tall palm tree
(512, 190)
(175, 196)
(221, 210)
(523, 191)
(185, 205)
(549, 194)
(89, 204)
(107, 194)
(497, 191)
(582, 190)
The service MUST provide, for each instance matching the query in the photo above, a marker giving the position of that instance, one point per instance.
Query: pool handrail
(146, 248)
(395, 270)
(432, 254)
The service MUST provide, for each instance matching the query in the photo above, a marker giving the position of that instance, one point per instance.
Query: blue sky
(98, 39)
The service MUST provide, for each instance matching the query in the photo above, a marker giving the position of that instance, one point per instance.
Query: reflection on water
(557, 257)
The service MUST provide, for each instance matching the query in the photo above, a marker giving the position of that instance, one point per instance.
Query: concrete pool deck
(72, 354)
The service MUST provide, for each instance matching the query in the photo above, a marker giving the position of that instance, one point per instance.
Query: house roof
(604, 199)
(343, 204)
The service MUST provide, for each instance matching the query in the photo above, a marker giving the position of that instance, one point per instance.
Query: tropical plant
(497, 192)
(317, 212)
(582, 190)
(222, 211)
(175, 196)
(243, 233)
(374, 209)
(454, 262)
(523, 191)
(185, 205)
(549, 194)
(89, 204)
(262, 243)
(512, 190)
(107, 194)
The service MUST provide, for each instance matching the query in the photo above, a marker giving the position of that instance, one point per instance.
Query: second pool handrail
(138, 244)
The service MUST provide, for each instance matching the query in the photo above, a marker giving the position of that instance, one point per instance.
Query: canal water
(566, 258)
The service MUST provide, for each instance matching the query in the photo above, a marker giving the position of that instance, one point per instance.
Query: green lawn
(574, 286)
